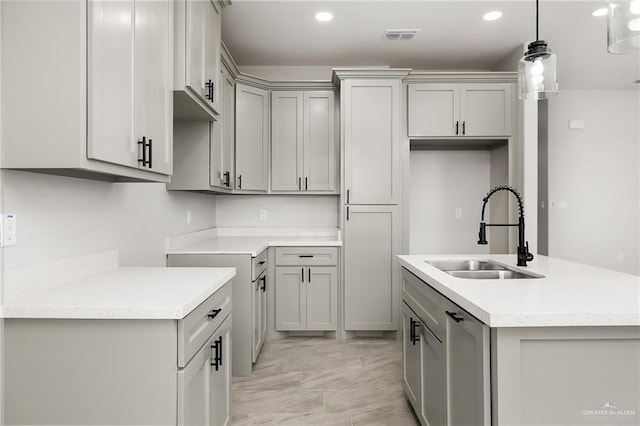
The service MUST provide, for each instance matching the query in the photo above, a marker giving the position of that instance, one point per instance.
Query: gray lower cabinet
(120, 371)
(258, 314)
(248, 271)
(306, 289)
(447, 368)
(371, 274)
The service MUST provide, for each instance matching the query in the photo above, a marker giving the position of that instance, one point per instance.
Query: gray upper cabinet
(371, 112)
(109, 114)
(222, 144)
(197, 58)
(303, 153)
(252, 138)
(456, 110)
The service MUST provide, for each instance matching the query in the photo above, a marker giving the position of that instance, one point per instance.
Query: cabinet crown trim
(461, 77)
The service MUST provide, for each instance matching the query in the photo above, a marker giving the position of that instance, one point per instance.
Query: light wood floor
(317, 381)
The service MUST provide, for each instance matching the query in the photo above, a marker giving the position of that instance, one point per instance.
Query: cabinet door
(466, 368)
(228, 132)
(263, 310)
(256, 318)
(372, 135)
(485, 109)
(286, 141)
(371, 271)
(193, 388)
(153, 81)
(291, 298)
(322, 298)
(252, 138)
(319, 141)
(434, 110)
(212, 50)
(220, 378)
(195, 16)
(111, 82)
(411, 357)
(432, 407)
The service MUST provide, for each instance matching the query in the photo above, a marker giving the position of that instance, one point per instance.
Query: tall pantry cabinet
(371, 133)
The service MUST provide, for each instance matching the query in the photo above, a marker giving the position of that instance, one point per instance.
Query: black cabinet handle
(302, 273)
(464, 127)
(216, 360)
(209, 86)
(213, 313)
(150, 153)
(306, 184)
(347, 212)
(299, 184)
(262, 262)
(347, 196)
(239, 181)
(145, 160)
(457, 123)
(264, 284)
(309, 275)
(227, 179)
(412, 332)
(454, 316)
(305, 255)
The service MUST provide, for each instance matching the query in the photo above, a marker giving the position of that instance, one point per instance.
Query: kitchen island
(562, 349)
(128, 346)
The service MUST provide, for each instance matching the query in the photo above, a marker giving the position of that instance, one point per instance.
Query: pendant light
(537, 70)
(623, 26)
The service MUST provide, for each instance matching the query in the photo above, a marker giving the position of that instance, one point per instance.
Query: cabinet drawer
(307, 256)
(425, 301)
(258, 264)
(196, 328)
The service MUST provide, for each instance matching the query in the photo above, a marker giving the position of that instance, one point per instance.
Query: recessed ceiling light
(600, 12)
(324, 16)
(492, 16)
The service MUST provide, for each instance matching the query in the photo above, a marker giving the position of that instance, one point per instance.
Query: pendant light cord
(537, 37)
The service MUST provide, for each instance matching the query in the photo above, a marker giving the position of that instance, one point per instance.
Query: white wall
(442, 181)
(594, 174)
(290, 211)
(61, 217)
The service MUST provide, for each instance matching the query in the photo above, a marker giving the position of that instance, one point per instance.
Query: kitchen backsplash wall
(441, 182)
(290, 211)
(61, 217)
(594, 178)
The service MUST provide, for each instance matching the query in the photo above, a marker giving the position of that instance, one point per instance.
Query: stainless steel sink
(466, 265)
(480, 270)
(493, 275)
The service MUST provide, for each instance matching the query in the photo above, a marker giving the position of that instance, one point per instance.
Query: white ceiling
(453, 36)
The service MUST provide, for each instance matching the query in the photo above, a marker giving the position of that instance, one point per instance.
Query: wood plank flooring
(316, 381)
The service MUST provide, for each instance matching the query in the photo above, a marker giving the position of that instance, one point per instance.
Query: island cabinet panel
(566, 375)
(459, 110)
(411, 357)
(432, 410)
(371, 274)
(467, 368)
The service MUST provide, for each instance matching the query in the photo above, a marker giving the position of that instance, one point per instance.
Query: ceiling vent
(399, 34)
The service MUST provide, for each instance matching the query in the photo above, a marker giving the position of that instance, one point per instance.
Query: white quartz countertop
(253, 245)
(570, 294)
(123, 293)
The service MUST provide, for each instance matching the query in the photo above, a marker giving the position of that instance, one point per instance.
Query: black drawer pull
(454, 316)
(262, 262)
(214, 313)
(305, 255)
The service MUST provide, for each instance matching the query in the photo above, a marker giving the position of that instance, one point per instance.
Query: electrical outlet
(9, 235)
(188, 216)
(263, 214)
(458, 213)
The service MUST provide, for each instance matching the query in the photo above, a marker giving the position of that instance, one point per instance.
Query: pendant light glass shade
(623, 22)
(537, 72)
